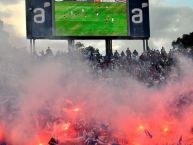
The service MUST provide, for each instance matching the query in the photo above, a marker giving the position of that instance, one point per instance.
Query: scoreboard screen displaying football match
(90, 19)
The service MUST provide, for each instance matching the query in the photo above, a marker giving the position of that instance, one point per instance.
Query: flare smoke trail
(147, 116)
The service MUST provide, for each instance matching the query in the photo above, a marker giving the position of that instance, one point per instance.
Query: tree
(186, 41)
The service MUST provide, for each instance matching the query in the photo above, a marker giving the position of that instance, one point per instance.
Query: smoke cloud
(45, 89)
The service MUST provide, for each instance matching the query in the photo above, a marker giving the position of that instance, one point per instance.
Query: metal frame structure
(138, 29)
(71, 45)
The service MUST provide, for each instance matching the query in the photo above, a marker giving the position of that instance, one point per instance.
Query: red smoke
(55, 98)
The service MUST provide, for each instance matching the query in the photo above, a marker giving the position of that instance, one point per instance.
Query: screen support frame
(109, 50)
(71, 44)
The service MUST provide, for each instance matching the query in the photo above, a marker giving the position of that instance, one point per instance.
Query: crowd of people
(67, 130)
(150, 67)
(90, 133)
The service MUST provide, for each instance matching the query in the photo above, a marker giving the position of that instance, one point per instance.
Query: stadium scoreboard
(87, 19)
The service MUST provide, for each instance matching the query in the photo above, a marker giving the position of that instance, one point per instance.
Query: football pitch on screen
(74, 18)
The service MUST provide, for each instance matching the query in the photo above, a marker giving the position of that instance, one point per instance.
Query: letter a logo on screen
(39, 18)
(139, 18)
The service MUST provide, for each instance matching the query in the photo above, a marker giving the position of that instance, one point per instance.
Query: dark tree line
(186, 41)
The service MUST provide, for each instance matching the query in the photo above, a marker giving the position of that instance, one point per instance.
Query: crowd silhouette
(150, 67)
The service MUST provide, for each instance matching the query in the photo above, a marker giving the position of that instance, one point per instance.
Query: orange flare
(76, 110)
(141, 127)
(166, 129)
(65, 126)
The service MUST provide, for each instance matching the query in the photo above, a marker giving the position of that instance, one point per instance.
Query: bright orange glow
(141, 127)
(40, 144)
(76, 110)
(166, 129)
(65, 126)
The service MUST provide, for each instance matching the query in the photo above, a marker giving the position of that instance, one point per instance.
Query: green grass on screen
(80, 19)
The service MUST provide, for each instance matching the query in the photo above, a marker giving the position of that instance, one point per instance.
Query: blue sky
(179, 3)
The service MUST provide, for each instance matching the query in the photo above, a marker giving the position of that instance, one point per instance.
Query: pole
(31, 46)
(109, 51)
(71, 44)
(147, 45)
(144, 47)
(34, 46)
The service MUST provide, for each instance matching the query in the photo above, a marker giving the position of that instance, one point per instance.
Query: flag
(180, 141)
(148, 133)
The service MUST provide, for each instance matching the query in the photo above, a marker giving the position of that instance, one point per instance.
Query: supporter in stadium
(128, 53)
(116, 54)
(49, 52)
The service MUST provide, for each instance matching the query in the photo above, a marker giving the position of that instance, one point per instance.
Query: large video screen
(91, 18)
(87, 19)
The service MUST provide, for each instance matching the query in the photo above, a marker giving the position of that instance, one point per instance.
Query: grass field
(90, 19)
